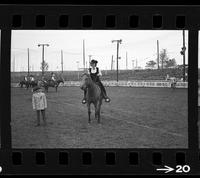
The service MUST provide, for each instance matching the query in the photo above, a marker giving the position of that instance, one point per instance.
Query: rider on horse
(94, 74)
(44, 79)
(53, 76)
(26, 78)
(32, 78)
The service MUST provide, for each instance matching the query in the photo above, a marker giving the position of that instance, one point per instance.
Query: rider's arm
(33, 102)
(99, 74)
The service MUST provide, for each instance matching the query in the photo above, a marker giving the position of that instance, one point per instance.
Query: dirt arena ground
(135, 118)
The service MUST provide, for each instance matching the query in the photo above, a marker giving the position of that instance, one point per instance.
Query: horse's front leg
(97, 111)
(89, 112)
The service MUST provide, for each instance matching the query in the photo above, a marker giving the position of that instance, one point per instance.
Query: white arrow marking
(166, 169)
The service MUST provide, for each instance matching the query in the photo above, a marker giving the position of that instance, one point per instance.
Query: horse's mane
(85, 74)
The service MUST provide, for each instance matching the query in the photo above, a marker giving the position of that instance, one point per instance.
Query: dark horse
(51, 83)
(22, 83)
(93, 95)
(27, 84)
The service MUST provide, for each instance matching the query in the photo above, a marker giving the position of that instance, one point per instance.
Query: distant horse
(22, 83)
(93, 95)
(173, 81)
(51, 83)
(27, 84)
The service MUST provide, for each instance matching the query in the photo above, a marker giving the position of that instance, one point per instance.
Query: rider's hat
(93, 61)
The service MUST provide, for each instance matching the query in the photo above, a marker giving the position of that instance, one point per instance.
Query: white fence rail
(161, 84)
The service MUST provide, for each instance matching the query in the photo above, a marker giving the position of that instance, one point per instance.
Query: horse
(51, 83)
(173, 81)
(93, 95)
(24, 82)
(33, 84)
(27, 84)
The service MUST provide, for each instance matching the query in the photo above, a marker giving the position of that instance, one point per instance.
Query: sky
(140, 45)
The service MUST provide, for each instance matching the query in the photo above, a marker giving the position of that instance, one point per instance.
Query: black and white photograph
(99, 88)
(0, 66)
(199, 89)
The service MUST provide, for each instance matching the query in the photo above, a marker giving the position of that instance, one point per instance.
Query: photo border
(145, 13)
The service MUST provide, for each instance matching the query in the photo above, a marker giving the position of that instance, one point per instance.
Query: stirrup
(83, 101)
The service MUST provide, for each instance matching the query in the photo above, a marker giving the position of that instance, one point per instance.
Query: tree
(163, 57)
(151, 64)
(44, 66)
(170, 63)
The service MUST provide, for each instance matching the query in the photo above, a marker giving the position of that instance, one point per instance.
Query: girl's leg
(38, 117)
(43, 116)
(104, 91)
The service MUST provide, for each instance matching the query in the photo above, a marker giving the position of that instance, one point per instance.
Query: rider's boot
(84, 100)
(107, 99)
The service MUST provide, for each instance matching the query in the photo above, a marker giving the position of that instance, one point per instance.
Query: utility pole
(118, 42)
(43, 45)
(78, 68)
(84, 55)
(28, 62)
(14, 63)
(86, 65)
(126, 60)
(62, 60)
(132, 64)
(112, 63)
(158, 55)
(183, 53)
(136, 64)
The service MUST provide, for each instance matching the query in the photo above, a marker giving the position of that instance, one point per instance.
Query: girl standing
(39, 102)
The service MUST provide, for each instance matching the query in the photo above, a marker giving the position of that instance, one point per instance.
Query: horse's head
(85, 80)
(61, 80)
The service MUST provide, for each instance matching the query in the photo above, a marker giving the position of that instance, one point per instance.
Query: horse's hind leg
(89, 112)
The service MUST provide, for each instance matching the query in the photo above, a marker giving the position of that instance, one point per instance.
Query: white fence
(162, 84)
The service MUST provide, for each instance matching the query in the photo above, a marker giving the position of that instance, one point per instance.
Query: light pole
(28, 63)
(118, 42)
(78, 68)
(62, 60)
(43, 45)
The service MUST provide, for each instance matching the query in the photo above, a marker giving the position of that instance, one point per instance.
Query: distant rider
(53, 76)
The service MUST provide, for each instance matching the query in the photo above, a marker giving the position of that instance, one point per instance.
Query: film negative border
(59, 17)
(103, 161)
